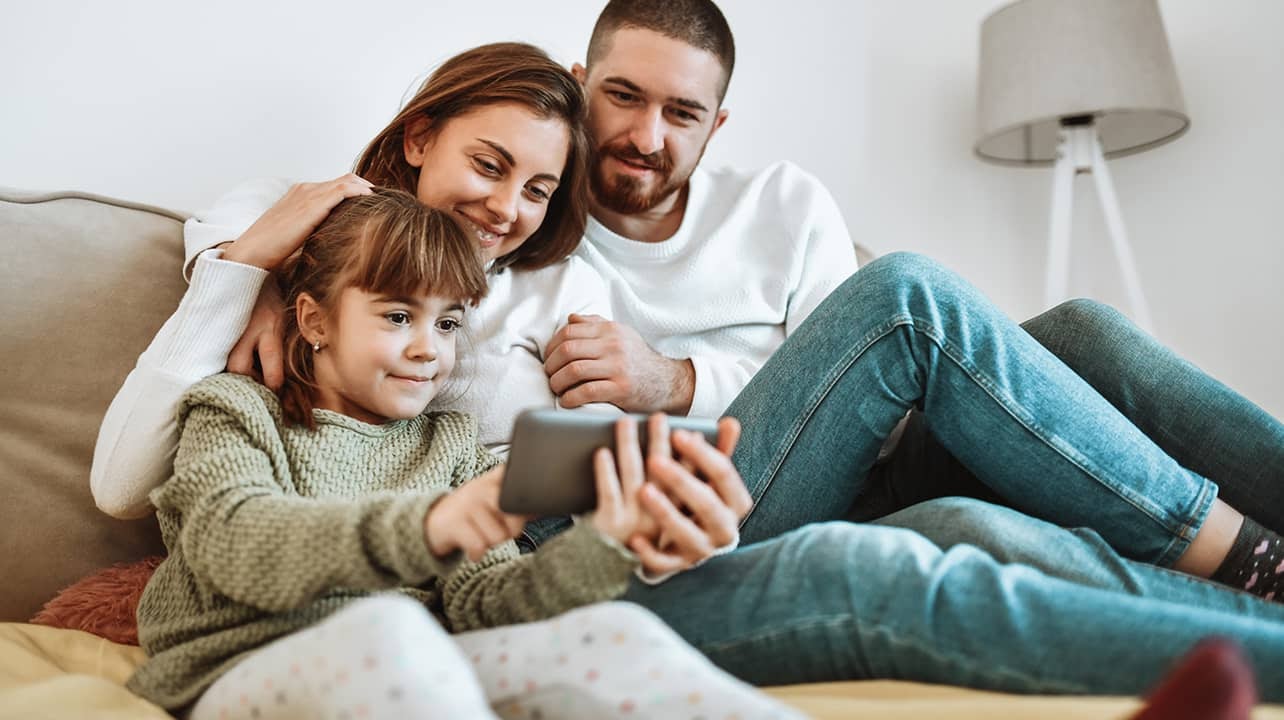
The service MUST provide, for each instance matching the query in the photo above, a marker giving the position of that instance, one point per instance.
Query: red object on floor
(1214, 681)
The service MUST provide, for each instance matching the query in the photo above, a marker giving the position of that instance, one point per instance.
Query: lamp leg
(1057, 276)
(1119, 237)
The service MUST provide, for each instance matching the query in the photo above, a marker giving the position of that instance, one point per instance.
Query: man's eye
(398, 318)
(486, 167)
(622, 96)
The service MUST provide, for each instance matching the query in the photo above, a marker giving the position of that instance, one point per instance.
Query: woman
(496, 138)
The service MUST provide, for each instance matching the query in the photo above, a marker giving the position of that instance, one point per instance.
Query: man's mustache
(658, 161)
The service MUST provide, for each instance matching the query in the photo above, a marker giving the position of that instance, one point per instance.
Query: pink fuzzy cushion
(104, 603)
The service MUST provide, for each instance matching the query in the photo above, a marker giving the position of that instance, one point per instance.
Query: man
(710, 273)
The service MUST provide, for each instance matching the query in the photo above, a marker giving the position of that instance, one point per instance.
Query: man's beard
(625, 194)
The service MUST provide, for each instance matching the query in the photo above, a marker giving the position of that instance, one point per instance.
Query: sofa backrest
(85, 283)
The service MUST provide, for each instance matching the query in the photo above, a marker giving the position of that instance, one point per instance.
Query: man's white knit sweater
(755, 254)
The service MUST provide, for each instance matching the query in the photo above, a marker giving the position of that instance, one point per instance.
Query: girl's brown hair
(490, 75)
(387, 243)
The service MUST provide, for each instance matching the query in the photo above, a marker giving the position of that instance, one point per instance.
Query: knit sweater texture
(272, 527)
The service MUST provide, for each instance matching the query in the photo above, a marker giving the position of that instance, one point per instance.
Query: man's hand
(593, 359)
(695, 516)
(263, 338)
(469, 518)
(280, 231)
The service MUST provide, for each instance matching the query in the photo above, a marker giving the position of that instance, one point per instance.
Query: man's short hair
(698, 23)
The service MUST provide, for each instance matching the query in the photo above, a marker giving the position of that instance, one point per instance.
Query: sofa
(85, 282)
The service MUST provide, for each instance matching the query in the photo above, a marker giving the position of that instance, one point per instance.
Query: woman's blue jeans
(996, 415)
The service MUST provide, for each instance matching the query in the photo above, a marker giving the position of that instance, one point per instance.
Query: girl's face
(494, 169)
(384, 358)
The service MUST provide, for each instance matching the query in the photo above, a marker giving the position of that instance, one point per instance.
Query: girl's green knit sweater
(272, 527)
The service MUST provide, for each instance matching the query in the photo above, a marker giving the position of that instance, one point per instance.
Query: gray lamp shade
(1046, 60)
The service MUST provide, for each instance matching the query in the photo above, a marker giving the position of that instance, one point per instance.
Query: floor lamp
(1073, 83)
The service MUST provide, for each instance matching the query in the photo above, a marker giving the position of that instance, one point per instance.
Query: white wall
(175, 102)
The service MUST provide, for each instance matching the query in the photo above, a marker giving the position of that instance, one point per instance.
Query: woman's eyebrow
(508, 157)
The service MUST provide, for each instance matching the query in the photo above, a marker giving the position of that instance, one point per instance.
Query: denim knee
(1087, 315)
(871, 553)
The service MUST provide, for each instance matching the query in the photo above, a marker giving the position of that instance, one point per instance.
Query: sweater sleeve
(230, 216)
(245, 535)
(136, 441)
(828, 257)
(578, 567)
(824, 257)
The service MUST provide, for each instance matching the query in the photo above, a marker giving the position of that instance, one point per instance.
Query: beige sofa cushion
(85, 282)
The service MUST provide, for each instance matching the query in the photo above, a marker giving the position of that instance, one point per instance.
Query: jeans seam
(1174, 526)
(823, 389)
(1178, 528)
(951, 660)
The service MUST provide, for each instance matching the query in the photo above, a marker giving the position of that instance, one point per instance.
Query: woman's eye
(486, 167)
(448, 325)
(398, 318)
(538, 193)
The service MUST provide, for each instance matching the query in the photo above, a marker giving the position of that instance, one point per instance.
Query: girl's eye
(448, 325)
(398, 318)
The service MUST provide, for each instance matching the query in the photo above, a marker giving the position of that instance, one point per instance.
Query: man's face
(653, 105)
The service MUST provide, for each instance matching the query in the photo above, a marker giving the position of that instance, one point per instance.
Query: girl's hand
(618, 513)
(280, 231)
(469, 518)
(697, 498)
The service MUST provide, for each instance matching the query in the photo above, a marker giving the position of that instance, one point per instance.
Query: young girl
(285, 516)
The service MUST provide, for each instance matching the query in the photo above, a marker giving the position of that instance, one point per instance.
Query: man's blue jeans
(976, 594)
(992, 403)
(987, 597)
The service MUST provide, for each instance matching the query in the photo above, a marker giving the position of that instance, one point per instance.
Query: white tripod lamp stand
(1072, 83)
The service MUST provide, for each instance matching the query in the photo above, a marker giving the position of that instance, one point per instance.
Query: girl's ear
(311, 319)
(415, 141)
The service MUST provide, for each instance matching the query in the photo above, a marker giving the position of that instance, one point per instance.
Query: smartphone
(550, 462)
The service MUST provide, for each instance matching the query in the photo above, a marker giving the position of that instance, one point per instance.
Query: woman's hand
(280, 231)
(264, 338)
(696, 498)
(469, 518)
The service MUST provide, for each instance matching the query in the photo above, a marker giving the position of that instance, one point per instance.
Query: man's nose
(647, 133)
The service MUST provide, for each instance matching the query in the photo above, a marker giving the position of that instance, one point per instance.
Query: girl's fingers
(655, 561)
(728, 435)
(657, 436)
(718, 522)
(608, 485)
(717, 469)
(629, 456)
(679, 530)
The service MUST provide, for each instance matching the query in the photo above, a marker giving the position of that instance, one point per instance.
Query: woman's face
(494, 169)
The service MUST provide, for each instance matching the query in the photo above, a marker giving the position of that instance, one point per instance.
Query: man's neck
(650, 226)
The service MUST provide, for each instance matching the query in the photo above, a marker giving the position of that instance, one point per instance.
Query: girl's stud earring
(316, 346)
